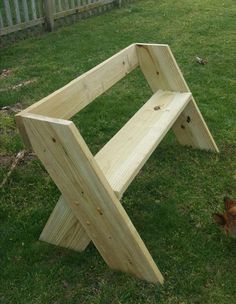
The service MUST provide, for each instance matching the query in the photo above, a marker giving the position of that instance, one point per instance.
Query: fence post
(49, 14)
(118, 3)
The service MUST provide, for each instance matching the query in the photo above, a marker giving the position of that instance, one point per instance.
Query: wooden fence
(17, 15)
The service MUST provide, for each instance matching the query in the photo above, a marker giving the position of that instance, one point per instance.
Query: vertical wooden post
(26, 10)
(1, 21)
(117, 3)
(8, 12)
(17, 10)
(34, 11)
(89, 195)
(49, 14)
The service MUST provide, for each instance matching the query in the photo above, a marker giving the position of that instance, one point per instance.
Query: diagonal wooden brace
(69, 162)
(161, 71)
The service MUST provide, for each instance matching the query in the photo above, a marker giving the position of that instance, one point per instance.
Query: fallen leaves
(18, 86)
(22, 155)
(8, 72)
(200, 60)
(5, 73)
(12, 109)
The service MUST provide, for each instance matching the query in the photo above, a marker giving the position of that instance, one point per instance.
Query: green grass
(170, 201)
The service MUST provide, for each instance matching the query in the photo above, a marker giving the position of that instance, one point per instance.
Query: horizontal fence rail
(17, 15)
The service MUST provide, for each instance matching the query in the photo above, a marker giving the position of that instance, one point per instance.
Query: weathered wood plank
(162, 72)
(8, 12)
(40, 8)
(21, 26)
(49, 14)
(1, 22)
(67, 101)
(78, 2)
(81, 9)
(59, 6)
(34, 10)
(17, 11)
(54, 6)
(72, 3)
(26, 10)
(67, 159)
(66, 5)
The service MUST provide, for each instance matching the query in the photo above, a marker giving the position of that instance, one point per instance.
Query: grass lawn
(171, 200)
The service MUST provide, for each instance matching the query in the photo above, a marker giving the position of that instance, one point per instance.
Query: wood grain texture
(191, 129)
(1, 22)
(59, 6)
(49, 14)
(162, 72)
(123, 157)
(34, 10)
(26, 10)
(17, 11)
(63, 228)
(8, 12)
(69, 162)
(67, 101)
(103, 76)
(160, 68)
(21, 26)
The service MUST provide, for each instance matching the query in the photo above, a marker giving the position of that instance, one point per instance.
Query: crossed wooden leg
(64, 229)
(69, 162)
(161, 71)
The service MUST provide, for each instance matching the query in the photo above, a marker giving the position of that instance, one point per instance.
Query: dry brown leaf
(19, 85)
(5, 73)
(201, 60)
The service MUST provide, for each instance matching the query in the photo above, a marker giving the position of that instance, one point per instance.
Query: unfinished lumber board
(63, 228)
(67, 101)
(73, 97)
(71, 165)
(162, 72)
(160, 69)
(124, 155)
(191, 129)
(122, 158)
(119, 167)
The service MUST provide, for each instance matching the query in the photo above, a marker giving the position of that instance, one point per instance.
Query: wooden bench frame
(91, 186)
